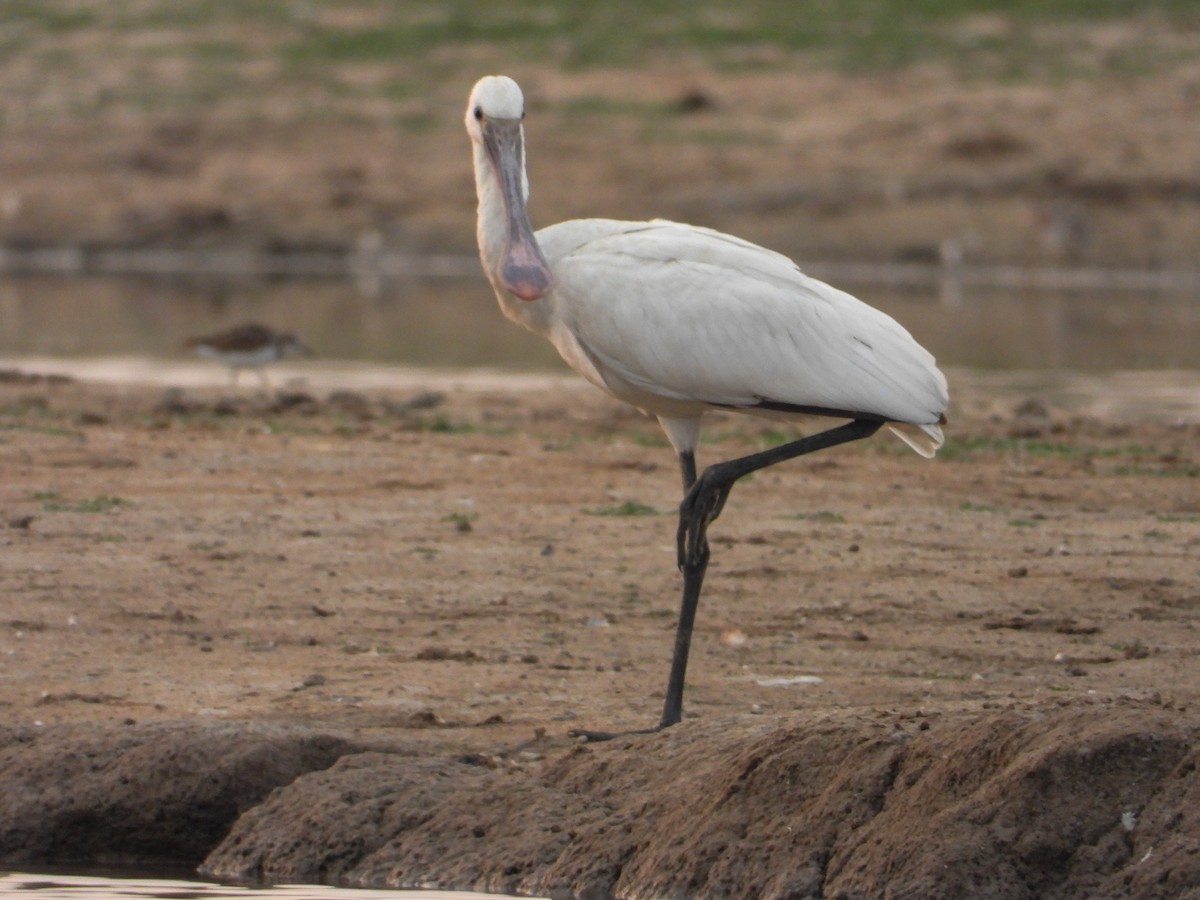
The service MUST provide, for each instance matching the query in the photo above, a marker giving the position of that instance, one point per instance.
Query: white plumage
(678, 320)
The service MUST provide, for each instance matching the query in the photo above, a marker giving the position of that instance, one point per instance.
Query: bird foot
(595, 737)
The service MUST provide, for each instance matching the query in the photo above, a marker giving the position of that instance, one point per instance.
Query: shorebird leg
(703, 501)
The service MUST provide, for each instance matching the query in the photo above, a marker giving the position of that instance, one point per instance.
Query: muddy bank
(158, 796)
(916, 165)
(1088, 799)
(342, 631)
(1077, 802)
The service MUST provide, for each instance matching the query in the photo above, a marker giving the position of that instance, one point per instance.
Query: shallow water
(454, 322)
(83, 887)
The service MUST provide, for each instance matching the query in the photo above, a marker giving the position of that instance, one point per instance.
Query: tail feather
(925, 439)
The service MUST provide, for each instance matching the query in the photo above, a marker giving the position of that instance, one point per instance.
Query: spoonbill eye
(479, 114)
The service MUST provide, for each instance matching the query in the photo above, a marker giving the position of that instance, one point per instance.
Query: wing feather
(690, 314)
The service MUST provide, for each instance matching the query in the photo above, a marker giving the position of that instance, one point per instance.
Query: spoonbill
(678, 320)
(249, 346)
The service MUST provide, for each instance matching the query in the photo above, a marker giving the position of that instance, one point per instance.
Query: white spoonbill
(679, 320)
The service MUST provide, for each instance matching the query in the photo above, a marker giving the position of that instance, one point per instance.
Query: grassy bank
(367, 58)
(1043, 132)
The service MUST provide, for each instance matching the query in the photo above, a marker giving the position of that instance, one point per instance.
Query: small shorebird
(250, 346)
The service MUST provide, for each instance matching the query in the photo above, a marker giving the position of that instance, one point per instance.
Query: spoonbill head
(494, 116)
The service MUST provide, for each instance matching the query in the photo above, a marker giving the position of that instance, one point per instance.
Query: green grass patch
(219, 51)
(593, 106)
(257, 50)
(52, 18)
(101, 504)
(960, 446)
(462, 520)
(51, 430)
(628, 508)
(442, 424)
(772, 437)
(665, 132)
(821, 515)
(967, 447)
(849, 35)
(650, 439)
(1176, 470)
(293, 428)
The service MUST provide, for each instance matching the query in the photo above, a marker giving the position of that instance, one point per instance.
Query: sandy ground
(442, 567)
(342, 552)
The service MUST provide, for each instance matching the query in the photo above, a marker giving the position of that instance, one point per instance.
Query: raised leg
(703, 502)
(704, 498)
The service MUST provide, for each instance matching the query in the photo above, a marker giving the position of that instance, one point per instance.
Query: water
(454, 322)
(437, 322)
(94, 887)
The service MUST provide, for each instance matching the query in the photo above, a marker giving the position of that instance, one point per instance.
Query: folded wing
(687, 313)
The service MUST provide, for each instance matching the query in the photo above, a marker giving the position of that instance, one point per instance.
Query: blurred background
(1017, 180)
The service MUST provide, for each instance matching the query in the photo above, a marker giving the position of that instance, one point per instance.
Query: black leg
(683, 631)
(687, 468)
(693, 569)
(702, 503)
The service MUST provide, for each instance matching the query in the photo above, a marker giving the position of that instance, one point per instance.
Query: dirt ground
(905, 166)
(439, 577)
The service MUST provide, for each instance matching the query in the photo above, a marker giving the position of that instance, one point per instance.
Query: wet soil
(343, 633)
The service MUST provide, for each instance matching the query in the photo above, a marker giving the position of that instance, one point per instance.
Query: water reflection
(94, 887)
(455, 322)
